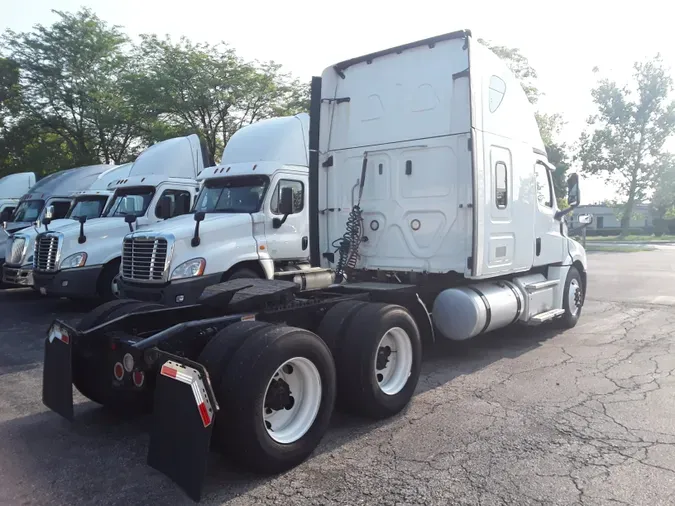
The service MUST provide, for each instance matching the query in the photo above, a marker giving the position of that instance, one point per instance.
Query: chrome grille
(144, 258)
(46, 254)
(15, 250)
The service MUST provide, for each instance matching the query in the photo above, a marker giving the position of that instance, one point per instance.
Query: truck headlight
(189, 269)
(73, 261)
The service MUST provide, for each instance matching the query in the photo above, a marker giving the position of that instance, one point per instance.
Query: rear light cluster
(127, 365)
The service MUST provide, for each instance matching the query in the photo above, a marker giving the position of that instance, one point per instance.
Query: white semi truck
(85, 205)
(54, 192)
(12, 188)
(82, 261)
(432, 216)
(238, 232)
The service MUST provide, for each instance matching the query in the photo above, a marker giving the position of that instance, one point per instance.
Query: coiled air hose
(347, 246)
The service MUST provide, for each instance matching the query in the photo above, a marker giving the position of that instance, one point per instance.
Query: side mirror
(82, 238)
(164, 207)
(199, 217)
(585, 219)
(49, 212)
(573, 193)
(286, 201)
(130, 219)
(5, 215)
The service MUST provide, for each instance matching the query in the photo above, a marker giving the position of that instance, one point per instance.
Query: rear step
(545, 316)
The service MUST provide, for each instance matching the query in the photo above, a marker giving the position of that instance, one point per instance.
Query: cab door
(549, 241)
(290, 241)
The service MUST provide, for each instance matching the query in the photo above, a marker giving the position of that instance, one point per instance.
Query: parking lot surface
(523, 416)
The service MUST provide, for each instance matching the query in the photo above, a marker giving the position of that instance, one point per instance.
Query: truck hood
(30, 233)
(4, 234)
(183, 227)
(97, 229)
(223, 237)
(104, 239)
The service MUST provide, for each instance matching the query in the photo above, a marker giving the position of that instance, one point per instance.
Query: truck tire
(88, 366)
(106, 287)
(242, 273)
(99, 314)
(278, 394)
(379, 362)
(218, 353)
(573, 299)
(335, 321)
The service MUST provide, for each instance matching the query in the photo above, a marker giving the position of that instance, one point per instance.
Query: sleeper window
(501, 185)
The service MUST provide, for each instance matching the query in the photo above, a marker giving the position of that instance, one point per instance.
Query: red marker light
(118, 371)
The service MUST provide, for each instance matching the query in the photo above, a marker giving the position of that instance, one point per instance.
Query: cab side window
(298, 195)
(181, 202)
(60, 210)
(544, 190)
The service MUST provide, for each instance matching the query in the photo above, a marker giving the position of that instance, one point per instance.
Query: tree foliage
(550, 125)
(79, 92)
(663, 198)
(625, 142)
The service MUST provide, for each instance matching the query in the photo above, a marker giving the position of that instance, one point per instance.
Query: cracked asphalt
(522, 416)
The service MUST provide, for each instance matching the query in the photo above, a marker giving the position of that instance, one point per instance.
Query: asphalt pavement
(518, 417)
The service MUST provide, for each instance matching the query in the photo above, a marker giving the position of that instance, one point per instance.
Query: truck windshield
(89, 206)
(130, 201)
(241, 194)
(28, 211)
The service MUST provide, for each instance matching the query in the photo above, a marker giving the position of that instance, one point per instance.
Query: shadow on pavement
(101, 458)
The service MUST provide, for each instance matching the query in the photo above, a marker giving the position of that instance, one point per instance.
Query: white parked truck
(235, 230)
(12, 188)
(85, 205)
(54, 192)
(430, 205)
(83, 260)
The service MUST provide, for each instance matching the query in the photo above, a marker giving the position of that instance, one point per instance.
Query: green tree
(627, 133)
(663, 198)
(26, 146)
(9, 89)
(72, 78)
(208, 89)
(550, 125)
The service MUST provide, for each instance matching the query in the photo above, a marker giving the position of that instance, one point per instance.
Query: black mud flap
(183, 415)
(57, 373)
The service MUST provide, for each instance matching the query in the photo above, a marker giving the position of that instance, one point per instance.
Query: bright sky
(563, 43)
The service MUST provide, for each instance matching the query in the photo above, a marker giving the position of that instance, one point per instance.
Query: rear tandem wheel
(276, 386)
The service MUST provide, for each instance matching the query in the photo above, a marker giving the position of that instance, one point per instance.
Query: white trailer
(85, 205)
(432, 216)
(82, 260)
(238, 232)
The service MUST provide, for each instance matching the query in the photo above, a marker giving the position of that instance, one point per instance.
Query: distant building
(604, 217)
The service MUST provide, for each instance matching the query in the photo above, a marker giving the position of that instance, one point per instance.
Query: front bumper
(17, 276)
(181, 292)
(80, 282)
